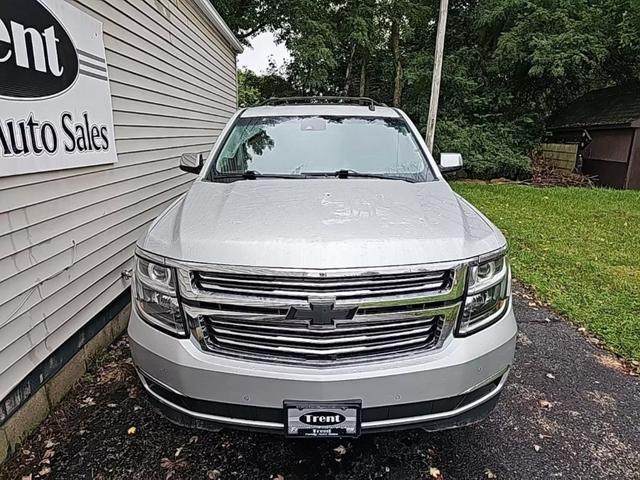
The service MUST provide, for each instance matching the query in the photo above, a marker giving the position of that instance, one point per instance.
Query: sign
(55, 100)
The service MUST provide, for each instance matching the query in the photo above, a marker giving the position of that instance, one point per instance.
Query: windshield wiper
(253, 174)
(353, 174)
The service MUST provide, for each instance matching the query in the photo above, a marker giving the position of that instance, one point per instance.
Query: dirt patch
(110, 379)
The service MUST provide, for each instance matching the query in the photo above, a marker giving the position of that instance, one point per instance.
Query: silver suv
(320, 278)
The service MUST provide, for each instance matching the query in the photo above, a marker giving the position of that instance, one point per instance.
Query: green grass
(578, 248)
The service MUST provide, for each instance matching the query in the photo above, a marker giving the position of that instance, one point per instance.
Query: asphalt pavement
(569, 410)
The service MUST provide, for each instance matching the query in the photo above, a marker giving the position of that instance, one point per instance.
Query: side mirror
(191, 162)
(450, 162)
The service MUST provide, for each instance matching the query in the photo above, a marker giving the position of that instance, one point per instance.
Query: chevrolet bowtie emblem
(321, 313)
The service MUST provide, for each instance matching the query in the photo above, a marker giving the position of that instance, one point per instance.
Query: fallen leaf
(178, 452)
(277, 477)
(45, 471)
(490, 474)
(214, 474)
(545, 404)
(551, 376)
(434, 472)
(340, 450)
(537, 448)
(50, 444)
(132, 431)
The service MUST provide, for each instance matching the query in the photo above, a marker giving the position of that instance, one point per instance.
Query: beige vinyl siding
(66, 236)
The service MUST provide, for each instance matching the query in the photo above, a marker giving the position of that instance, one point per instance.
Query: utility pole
(437, 74)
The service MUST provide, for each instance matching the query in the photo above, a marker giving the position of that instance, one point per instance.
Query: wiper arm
(253, 174)
(353, 174)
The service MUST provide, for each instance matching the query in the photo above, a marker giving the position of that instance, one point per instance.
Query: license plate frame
(296, 427)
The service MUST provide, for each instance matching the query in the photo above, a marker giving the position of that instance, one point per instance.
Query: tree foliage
(509, 64)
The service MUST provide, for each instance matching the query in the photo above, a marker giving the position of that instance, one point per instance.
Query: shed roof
(619, 106)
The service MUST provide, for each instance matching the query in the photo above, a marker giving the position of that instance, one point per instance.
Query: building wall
(607, 156)
(633, 173)
(66, 236)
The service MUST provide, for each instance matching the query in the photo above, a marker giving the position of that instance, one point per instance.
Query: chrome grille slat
(306, 293)
(302, 327)
(219, 332)
(326, 351)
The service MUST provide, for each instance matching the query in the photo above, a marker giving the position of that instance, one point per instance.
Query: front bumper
(455, 386)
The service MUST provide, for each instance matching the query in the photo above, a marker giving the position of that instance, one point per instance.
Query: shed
(86, 163)
(611, 118)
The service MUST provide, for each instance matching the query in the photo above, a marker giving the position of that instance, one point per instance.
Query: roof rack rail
(329, 100)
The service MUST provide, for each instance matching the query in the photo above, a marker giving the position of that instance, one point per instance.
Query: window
(299, 145)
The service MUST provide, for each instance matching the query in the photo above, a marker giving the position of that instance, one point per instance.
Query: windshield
(307, 145)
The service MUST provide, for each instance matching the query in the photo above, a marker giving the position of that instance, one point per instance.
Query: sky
(263, 46)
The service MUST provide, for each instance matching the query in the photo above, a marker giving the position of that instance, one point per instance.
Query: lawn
(578, 248)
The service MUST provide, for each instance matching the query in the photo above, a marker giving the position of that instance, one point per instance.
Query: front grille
(390, 313)
(305, 286)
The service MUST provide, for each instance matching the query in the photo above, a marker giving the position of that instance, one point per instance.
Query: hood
(321, 223)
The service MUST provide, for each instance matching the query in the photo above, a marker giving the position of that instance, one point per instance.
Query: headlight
(156, 298)
(487, 295)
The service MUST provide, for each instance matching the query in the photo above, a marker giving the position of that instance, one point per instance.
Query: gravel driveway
(569, 411)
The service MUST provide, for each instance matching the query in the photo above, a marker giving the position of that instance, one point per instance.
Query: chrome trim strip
(438, 416)
(345, 339)
(411, 315)
(305, 294)
(365, 425)
(320, 282)
(204, 416)
(327, 351)
(337, 273)
(304, 328)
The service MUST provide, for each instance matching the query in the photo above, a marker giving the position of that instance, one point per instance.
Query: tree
(509, 64)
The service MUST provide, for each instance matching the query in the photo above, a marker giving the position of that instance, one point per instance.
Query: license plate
(322, 419)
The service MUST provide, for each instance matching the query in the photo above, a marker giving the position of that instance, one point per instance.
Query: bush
(489, 151)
